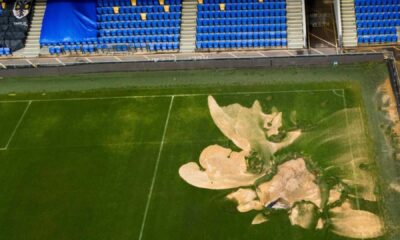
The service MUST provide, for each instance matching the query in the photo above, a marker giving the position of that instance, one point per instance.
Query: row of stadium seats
(379, 8)
(242, 44)
(90, 49)
(378, 16)
(139, 24)
(146, 39)
(380, 23)
(238, 14)
(113, 3)
(377, 21)
(137, 17)
(150, 9)
(240, 36)
(377, 31)
(241, 21)
(245, 28)
(5, 51)
(244, 6)
(377, 39)
(375, 2)
(138, 32)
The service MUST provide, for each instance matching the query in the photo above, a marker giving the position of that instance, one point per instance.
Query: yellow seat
(143, 16)
(116, 10)
(166, 8)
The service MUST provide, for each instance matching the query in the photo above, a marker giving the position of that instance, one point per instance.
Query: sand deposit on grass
(292, 183)
(388, 100)
(351, 223)
(221, 168)
(389, 107)
(292, 187)
(334, 195)
(247, 128)
(246, 199)
(395, 186)
(259, 218)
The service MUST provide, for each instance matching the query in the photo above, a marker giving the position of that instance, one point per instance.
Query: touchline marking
(221, 141)
(168, 95)
(155, 169)
(17, 126)
(351, 149)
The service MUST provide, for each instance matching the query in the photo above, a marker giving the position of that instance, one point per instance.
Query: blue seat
(52, 50)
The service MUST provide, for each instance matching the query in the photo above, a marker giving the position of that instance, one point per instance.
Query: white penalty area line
(17, 126)
(153, 181)
(170, 95)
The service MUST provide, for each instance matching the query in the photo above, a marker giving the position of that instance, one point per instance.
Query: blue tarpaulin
(69, 21)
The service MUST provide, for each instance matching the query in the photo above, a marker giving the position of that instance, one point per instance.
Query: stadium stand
(124, 25)
(377, 21)
(14, 25)
(231, 24)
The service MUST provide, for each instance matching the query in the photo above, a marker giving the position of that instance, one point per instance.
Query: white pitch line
(233, 55)
(88, 60)
(59, 61)
(147, 58)
(351, 148)
(167, 95)
(290, 53)
(327, 42)
(31, 63)
(17, 126)
(261, 54)
(321, 53)
(155, 169)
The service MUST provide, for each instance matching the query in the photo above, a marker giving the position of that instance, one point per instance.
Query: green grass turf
(74, 172)
(83, 169)
(210, 217)
(86, 123)
(10, 113)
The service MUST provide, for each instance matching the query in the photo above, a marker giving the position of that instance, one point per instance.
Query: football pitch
(105, 164)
